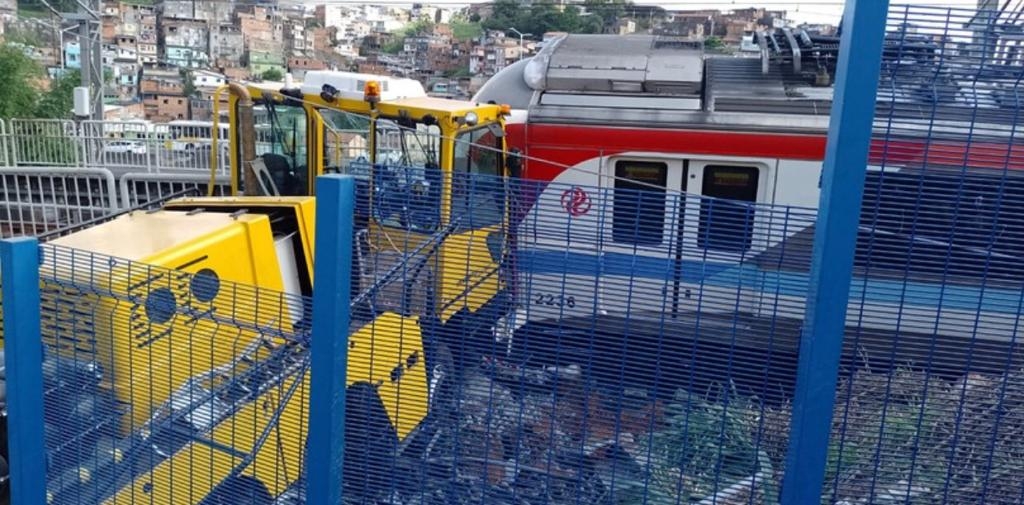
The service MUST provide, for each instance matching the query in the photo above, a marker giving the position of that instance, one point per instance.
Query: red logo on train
(575, 201)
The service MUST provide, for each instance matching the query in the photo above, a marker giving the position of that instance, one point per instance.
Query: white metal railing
(57, 173)
(142, 146)
(123, 145)
(4, 150)
(134, 146)
(44, 142)
(139, 188)
(36, 200)
(139, 146)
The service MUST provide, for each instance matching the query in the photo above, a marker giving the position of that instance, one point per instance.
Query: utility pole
(96, 79)
(58, 39)
(90, 43)
(521, 35)
(984, 39)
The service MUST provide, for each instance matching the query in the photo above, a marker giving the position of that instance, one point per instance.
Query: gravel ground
(910, 438)
(506, 443)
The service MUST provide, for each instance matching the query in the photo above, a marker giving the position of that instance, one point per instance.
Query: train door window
(726, 214)
(639, 205)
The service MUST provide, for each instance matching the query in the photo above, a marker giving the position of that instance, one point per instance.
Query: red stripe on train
(568, 145)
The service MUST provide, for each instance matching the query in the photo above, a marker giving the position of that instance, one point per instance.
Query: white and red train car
(594, 116)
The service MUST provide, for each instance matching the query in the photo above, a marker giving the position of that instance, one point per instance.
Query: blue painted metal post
(835, 238)
(23, 362)
(336, 196)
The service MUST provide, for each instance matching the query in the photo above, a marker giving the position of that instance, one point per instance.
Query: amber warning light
(506, 109)
(371, 92)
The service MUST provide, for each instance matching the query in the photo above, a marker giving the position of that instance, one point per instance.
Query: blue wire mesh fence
(598, 345)
(530, 342)
(934, 414)
(167, 386)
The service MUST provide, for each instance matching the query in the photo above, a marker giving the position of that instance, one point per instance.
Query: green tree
(458, 73)
(609, 11)
(393, 46)
(38, 6)
(272, 74)
(58, 102)
(17, 87)
(421, 26)
(188, 83)
(465, 30)
(713, 42)
(546, 17)
(591, 24)
(418, 27)
(505, 14)
(26, 36)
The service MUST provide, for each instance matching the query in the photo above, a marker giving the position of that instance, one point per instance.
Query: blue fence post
(835, 239)
(333, 263)
(23, 362)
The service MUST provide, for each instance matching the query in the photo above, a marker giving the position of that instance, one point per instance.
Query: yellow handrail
(245, 101)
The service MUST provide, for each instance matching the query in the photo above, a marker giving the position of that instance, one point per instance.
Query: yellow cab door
(284, 134)
(437, 192)
(472, 256)
(407, 215)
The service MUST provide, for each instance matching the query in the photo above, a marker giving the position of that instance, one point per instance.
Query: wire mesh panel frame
(41, 199)
(574, 325)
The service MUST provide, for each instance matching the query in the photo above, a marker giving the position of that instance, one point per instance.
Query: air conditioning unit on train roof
(640, 64)
(350, 85)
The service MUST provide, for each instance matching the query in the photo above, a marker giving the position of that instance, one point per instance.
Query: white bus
(186, 135)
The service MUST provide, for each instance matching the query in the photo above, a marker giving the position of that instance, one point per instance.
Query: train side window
(727, 216)
(639, 205)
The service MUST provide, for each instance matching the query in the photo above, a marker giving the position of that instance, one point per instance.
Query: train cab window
(726, 216)
(407, 176)
(639, 206)
(346, 140)
(281, 142)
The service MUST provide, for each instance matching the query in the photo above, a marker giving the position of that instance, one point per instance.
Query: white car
(125, 146)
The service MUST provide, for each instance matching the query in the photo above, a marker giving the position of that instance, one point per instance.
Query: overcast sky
(810, 11)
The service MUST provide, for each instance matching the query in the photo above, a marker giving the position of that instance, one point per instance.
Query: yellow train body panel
(198, 468)
(389, 352)
(148, 340)
(303, 207)
(469, 275)
(154, 329)
(375, 352)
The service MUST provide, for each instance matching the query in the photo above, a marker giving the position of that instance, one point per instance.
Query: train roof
(651, 81)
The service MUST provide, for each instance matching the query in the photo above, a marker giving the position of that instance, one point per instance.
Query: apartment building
(185, 42)
(163, 95)
(299, 66)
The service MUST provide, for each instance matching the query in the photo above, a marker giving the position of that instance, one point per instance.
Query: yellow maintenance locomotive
(195, 339)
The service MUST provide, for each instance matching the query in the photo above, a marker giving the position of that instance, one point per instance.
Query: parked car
(126, 146)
